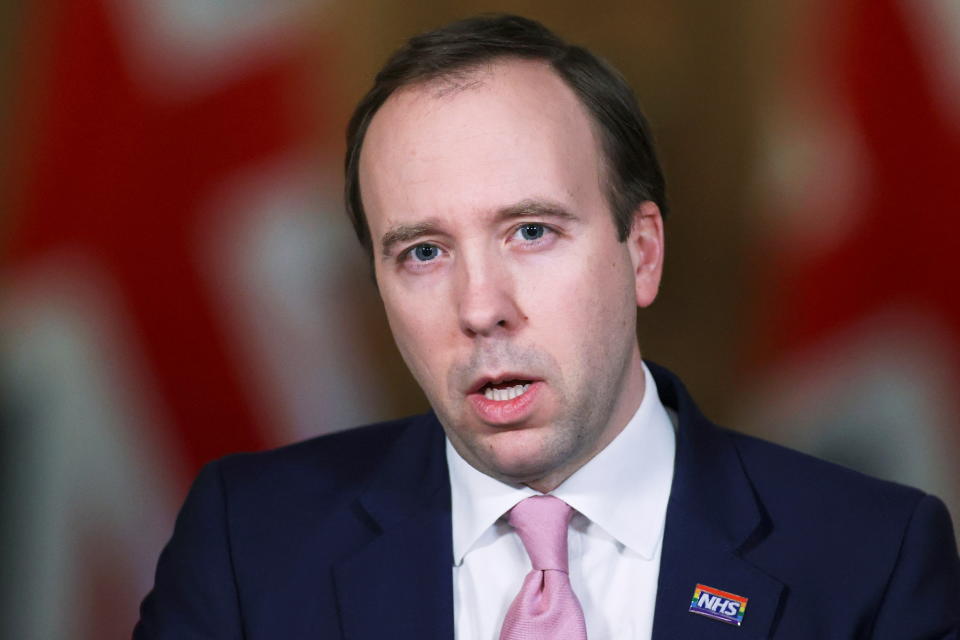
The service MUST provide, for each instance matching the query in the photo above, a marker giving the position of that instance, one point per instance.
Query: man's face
(508, 293)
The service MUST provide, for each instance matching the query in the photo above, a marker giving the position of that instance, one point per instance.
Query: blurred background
(178, 279)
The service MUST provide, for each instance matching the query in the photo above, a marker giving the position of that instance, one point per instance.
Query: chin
(522, 470)
(523, 465)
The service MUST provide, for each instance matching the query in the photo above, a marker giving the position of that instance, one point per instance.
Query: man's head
(632, 172)
(510, 285)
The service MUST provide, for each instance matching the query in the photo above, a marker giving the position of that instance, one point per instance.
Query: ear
(645, 244)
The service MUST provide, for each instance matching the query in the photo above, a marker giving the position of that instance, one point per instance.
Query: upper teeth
(505, 394)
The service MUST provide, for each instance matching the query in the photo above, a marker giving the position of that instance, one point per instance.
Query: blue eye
(532, 231)
(425, 252)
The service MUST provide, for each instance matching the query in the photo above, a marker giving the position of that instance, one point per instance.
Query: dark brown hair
(632, 170)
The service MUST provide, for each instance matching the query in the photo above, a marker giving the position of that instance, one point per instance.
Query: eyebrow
(406, 233)
(537, 209)
(403, 234)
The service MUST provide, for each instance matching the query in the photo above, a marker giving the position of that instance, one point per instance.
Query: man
(505, 186)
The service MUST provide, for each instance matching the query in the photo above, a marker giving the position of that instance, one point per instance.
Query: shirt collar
(477, 501)
(623, 489)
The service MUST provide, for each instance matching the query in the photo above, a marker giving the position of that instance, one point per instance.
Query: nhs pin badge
(719, 605)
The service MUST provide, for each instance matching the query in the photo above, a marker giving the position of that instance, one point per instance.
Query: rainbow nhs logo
(717, 604)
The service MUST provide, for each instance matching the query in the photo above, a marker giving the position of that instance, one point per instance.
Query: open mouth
(501, 391)
(506, 398)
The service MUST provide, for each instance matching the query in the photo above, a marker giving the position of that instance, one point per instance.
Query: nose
(486, 301)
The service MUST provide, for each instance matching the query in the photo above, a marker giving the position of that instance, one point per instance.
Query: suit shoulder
(783, 473)
(786, 478)
(333, 461)
(831, 507)
(887, 548)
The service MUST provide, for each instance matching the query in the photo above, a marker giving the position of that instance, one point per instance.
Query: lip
(505, 412)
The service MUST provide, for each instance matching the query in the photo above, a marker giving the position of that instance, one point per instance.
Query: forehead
(506, 132)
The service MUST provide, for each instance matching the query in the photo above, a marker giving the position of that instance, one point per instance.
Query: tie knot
(541, 522)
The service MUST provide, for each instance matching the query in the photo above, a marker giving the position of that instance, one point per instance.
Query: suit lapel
(399, 584)
(713, 520)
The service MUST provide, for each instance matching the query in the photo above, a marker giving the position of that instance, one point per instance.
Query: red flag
(164, 273)
(864, 351)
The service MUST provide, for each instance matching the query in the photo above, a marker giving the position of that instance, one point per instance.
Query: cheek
(417, 327)
(592, 286)
(593, 309)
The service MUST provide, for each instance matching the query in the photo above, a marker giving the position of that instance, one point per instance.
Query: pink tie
(546, 607)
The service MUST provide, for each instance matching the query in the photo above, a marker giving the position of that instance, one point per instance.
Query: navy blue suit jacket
(349, 536)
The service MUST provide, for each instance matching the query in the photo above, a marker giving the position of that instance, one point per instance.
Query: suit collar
(398, 583)
(713, 520)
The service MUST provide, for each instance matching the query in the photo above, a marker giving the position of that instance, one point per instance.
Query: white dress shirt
(620, 497)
